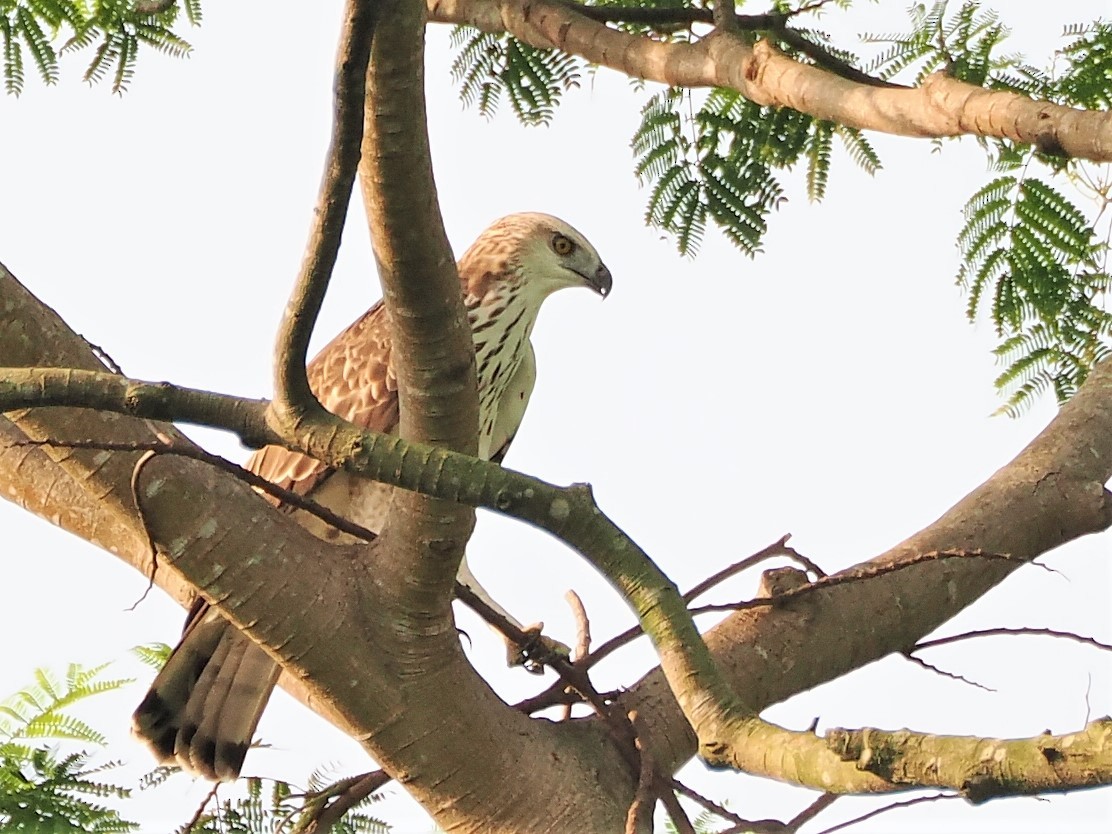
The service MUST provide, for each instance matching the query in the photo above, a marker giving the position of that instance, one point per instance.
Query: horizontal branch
(981, 769)
(663, 18)
(941, 107)
(100, 391)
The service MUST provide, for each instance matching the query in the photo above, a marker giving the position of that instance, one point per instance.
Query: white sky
(831, 388)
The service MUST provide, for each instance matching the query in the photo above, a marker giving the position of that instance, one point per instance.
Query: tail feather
(204, 706)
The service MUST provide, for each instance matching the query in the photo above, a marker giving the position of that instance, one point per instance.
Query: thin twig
(779, 547)
(1011, 632)
(151, 549)
(709, 804)
(164, 447)
(201, 808)
(811, 811)
(930, 667)
(907, 803)
(554, 695)
(680, 821)
(582, 625)
(858, 576)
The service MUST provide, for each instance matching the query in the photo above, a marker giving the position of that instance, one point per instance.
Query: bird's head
(539, 253)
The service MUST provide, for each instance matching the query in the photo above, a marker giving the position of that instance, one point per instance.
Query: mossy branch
(981, 769)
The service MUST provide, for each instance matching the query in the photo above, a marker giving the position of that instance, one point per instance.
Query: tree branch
(775, 23)
(942, 106)
(1052, 492)
(292, 396)
(981, 769)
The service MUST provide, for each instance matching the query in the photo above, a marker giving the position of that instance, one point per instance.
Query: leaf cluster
(114, 30)
(267, 807)
(1031, 257)
(490, 67)
(43, 788)
(963, 44)
(719, 163)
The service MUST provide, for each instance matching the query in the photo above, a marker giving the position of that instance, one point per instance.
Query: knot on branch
(505, 499)
(871, 750)
(716, 755)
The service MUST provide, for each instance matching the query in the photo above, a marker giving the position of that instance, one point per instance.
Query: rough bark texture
(320, 607)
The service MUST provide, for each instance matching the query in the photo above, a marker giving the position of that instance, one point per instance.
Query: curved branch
(1051, 493)
(101, 391)
(941, 107)
(291, 386)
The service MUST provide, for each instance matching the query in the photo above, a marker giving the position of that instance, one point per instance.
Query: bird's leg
(515, 655)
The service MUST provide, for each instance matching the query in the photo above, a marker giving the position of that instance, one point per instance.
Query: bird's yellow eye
(562, 245)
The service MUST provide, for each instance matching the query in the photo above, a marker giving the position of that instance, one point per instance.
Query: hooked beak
(602, 281)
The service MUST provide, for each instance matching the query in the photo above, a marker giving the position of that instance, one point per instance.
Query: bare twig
(555, 695)
(710, 805)
(871, 572)
(201, 808)
(163, 447)
(151, 549)
(811, 811)
(779, 547)
(1011, 632)
(671, 803)
(907, 803)
(930, 667)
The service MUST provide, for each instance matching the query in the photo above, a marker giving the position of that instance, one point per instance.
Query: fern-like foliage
(1088, 80)
(491, 67)
(1032, 258)
(963, 44)
(152, 654)
(115, 30)
(41, 787)
(720, 164)
(267, 807)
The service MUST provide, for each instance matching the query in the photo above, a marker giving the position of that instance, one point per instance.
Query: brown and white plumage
(205, 704)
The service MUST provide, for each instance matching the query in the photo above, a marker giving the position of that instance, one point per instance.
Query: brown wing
(352, 377)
